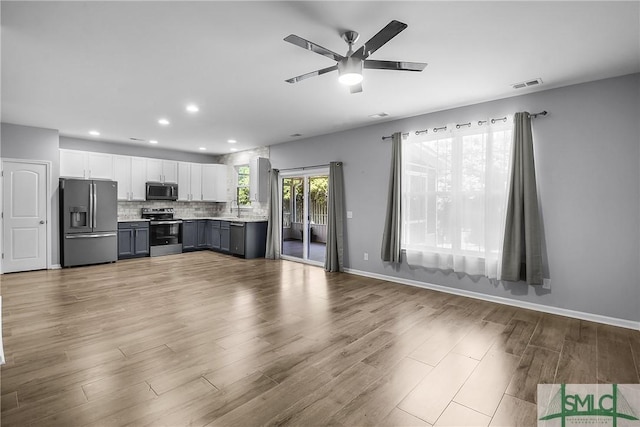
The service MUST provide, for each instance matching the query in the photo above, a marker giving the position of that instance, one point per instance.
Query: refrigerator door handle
(95, 204)
(90, 205)
(89, 236)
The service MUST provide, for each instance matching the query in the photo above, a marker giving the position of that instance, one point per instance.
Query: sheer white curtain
(454, 191)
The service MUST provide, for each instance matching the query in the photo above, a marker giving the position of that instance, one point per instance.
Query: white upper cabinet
(214, 183)
(138, 178)
(84, 164)
(162, 170)
(259, 179)
(72, 164)
(196, 181)
(184, 181)
(100, 165)
(130, 172)
(189, 181)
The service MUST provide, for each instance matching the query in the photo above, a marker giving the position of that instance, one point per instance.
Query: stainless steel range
(165, 231)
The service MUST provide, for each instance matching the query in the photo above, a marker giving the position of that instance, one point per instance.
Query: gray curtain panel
(522, 250)
(273, 226)
(334, 260)
(391, 249)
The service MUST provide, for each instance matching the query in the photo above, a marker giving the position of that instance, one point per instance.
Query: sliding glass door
(304, 215)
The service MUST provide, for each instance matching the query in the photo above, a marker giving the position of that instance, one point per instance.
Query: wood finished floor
(207, 339)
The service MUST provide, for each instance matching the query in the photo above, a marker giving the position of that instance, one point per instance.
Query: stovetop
(157, 213)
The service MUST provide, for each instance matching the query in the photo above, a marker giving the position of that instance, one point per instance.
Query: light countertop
(215, 218)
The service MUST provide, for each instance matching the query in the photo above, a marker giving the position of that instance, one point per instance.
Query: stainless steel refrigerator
(88, 221)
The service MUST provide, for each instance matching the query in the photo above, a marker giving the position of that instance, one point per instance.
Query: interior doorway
(304, 215)
(25, 216)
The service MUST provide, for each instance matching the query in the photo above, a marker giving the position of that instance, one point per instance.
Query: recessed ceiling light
(94, 133)
(202, 149)
(153, 141)
(233, 149)
(231, 141)
(163, 122)
(192, 108)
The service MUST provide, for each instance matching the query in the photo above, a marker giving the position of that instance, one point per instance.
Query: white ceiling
(119, 66)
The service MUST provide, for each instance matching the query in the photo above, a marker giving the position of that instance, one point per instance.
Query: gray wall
(587, 159)
(135, 150)
(24, 142)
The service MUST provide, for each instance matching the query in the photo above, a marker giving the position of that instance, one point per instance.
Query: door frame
(49, 191)
(305, 173)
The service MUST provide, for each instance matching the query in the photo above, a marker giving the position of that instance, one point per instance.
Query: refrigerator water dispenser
(78, 216)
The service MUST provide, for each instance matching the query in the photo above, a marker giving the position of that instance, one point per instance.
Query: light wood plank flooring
(207, 339)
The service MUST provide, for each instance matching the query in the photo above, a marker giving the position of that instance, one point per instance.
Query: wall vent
(379, 115)
(527, 83)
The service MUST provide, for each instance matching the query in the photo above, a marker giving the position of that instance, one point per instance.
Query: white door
(25, 216)
(304, 215)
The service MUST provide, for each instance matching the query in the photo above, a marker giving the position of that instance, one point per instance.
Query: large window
(454, 197)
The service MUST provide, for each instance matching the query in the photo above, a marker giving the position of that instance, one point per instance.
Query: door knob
(42, 221)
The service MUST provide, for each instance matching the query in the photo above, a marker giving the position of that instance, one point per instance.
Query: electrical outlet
(546, 283)
(349, 214)
(366, 256)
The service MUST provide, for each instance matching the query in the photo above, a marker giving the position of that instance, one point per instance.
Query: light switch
(349, 214)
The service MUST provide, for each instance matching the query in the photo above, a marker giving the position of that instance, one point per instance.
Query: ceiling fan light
(350, 71)
(350, 79)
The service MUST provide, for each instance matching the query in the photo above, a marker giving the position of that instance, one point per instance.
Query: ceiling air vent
(528, 83)
(136, 139)
(379, 115)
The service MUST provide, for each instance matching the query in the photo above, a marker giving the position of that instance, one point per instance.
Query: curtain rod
(459, 125)
(306, 167)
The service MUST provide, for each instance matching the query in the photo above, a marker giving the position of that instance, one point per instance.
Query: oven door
(165, 233)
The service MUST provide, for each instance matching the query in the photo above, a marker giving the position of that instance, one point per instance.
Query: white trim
(302, 261)
(56, 267)
(623, 323)
(49, 187)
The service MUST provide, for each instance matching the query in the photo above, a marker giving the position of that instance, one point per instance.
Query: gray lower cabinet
(215, 235)
(189, 233)
(244, 239)
(133, 239)
(225, 236)
(204, 229)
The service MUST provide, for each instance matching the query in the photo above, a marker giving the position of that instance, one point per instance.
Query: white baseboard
(55, 267)
(623, 323)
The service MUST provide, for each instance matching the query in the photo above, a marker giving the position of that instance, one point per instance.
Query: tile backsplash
(132, 210)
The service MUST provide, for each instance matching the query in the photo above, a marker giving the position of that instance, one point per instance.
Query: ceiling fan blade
(394, 65)
(306, 44)
(312, 74)
(357, 88)
(392, 29)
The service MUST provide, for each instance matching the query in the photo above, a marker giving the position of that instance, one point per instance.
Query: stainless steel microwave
(162, 191)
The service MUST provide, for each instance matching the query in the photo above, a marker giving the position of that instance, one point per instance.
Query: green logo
(588, 408)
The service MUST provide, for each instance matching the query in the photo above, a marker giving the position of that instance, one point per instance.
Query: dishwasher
(237, 238)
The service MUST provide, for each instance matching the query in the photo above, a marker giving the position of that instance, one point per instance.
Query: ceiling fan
(350, 66)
